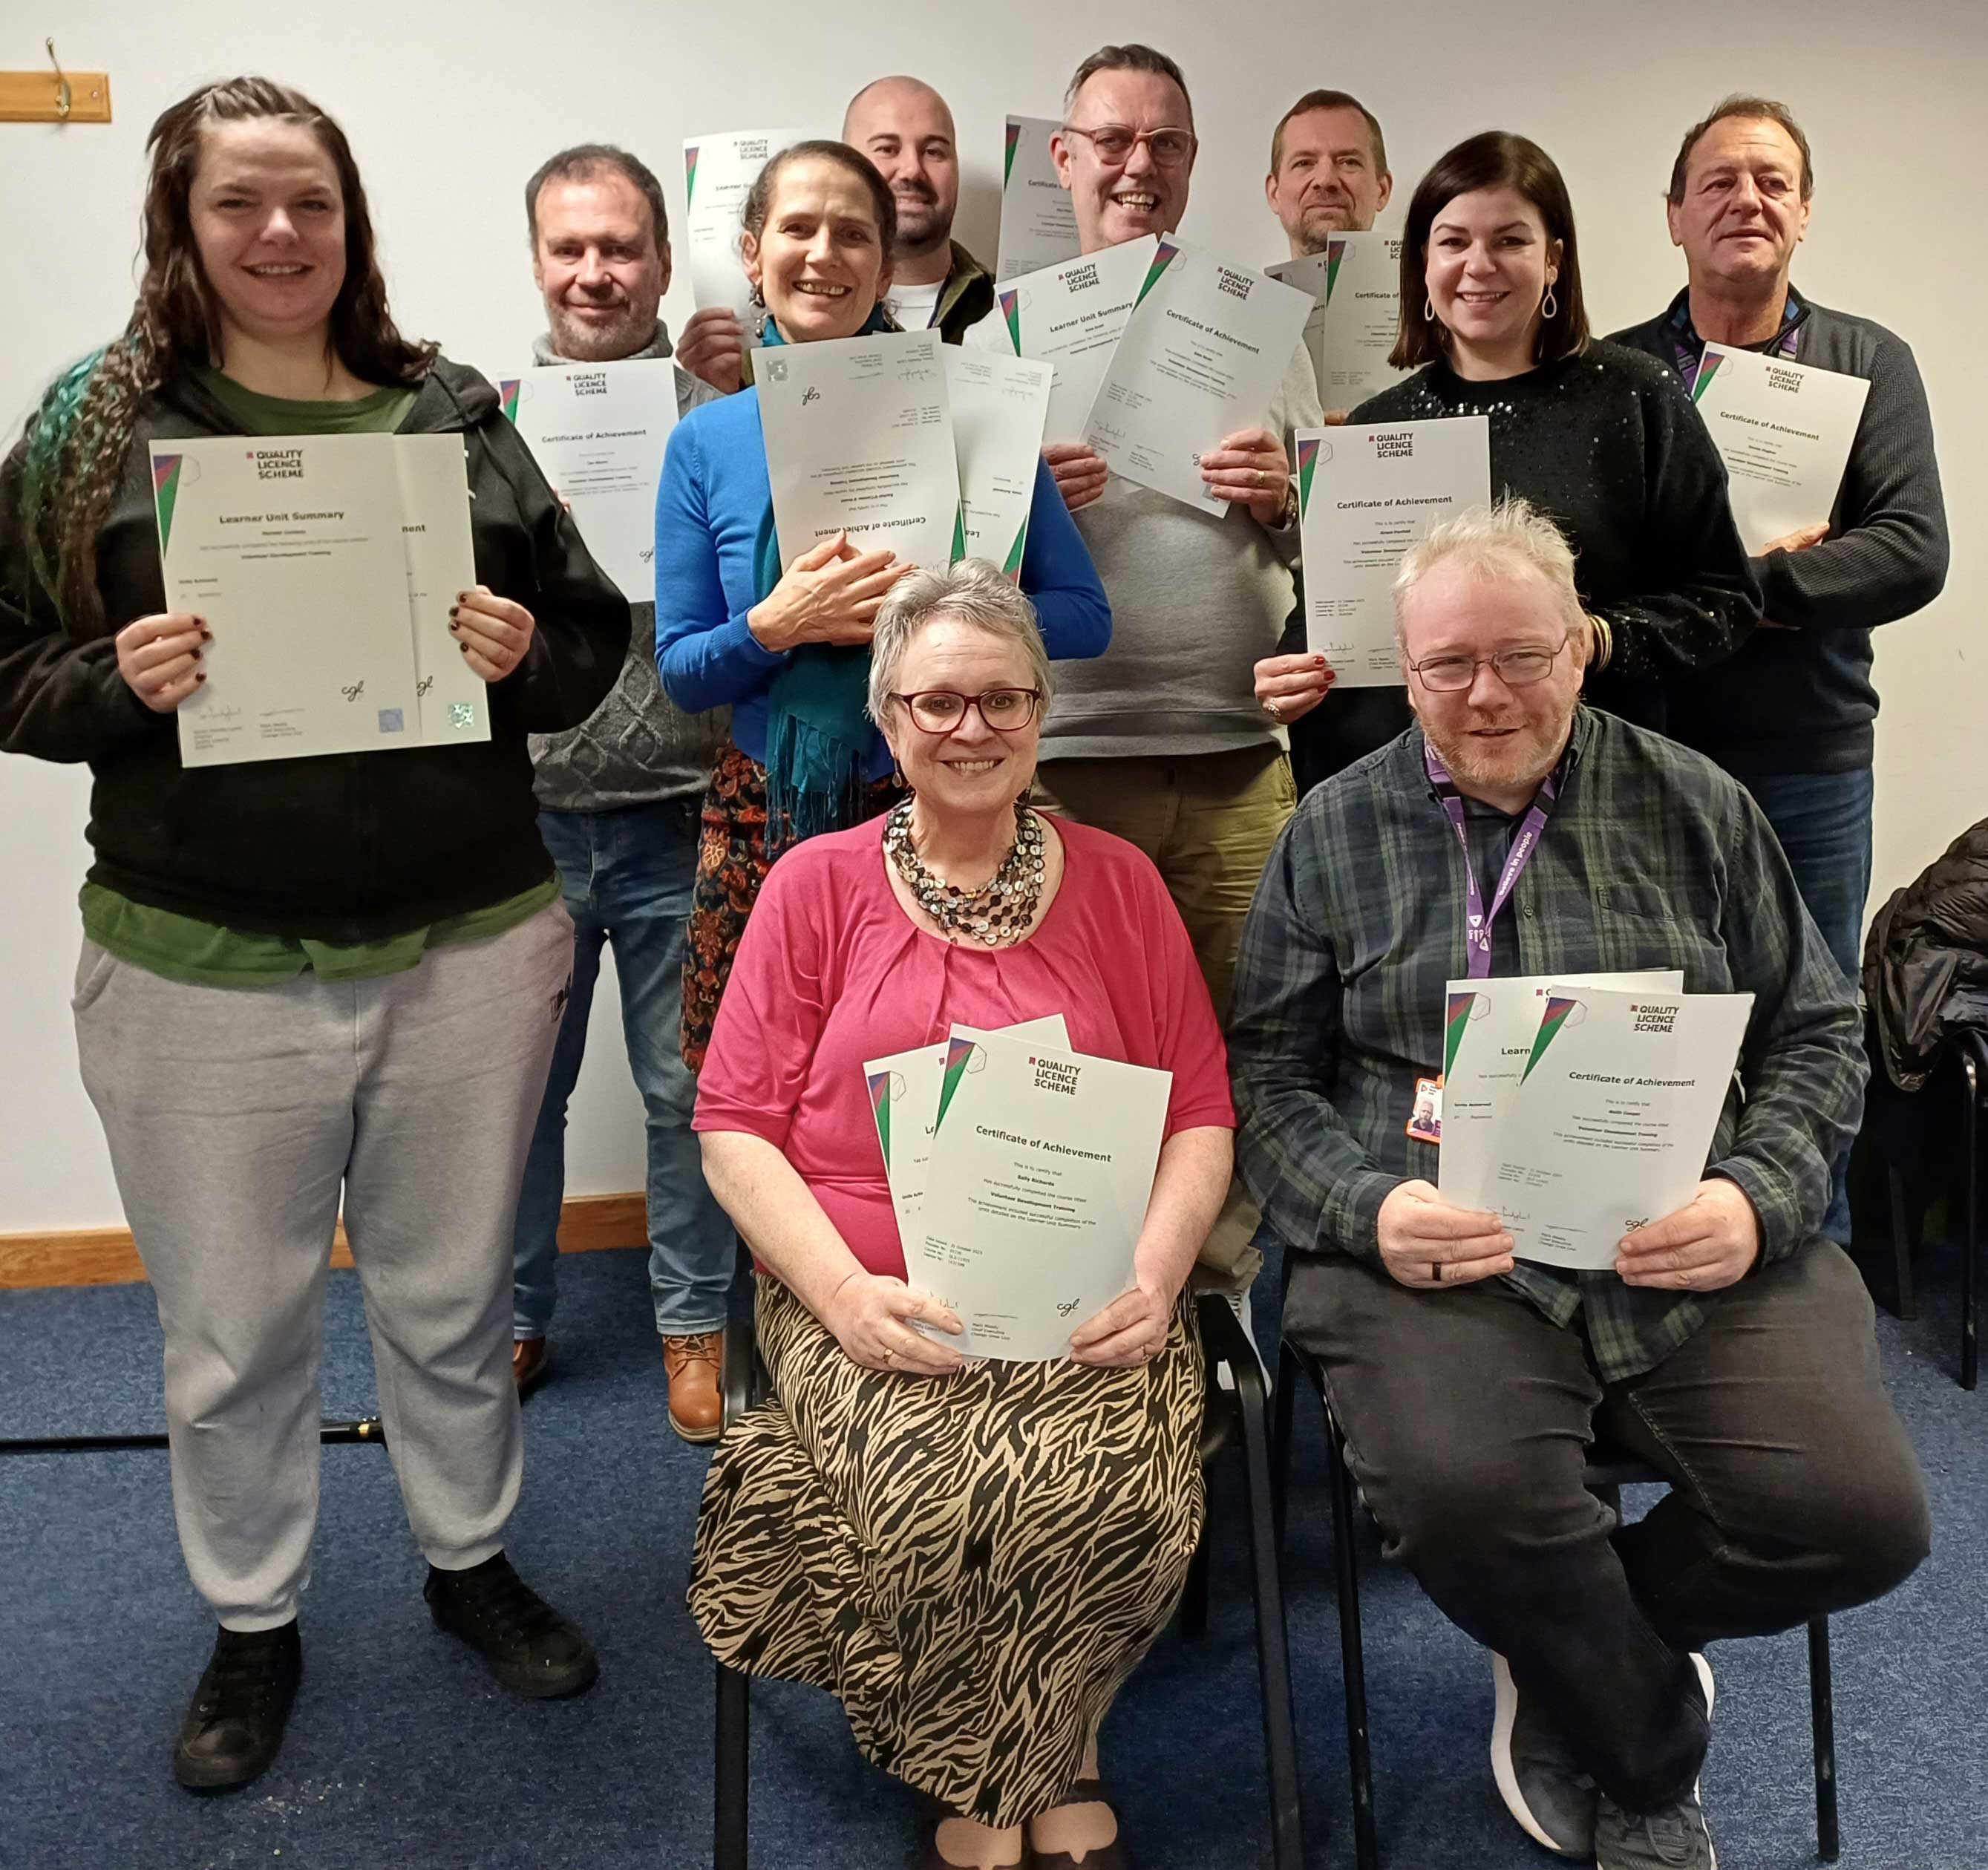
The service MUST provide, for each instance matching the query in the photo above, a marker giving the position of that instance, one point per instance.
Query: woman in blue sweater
(788, 649)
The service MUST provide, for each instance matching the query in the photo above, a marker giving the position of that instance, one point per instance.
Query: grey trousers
(235, 1116)
(1467, 1415)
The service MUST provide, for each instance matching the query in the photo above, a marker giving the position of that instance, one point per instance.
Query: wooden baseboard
(106, 1256)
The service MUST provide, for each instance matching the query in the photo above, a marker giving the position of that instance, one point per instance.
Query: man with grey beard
(619, 801)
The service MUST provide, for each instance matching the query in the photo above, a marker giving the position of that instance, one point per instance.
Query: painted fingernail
(463, 647)
(455, 629)
(202, 676)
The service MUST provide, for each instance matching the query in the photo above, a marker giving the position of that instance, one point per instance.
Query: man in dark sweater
(619, 799)
(1789, 715)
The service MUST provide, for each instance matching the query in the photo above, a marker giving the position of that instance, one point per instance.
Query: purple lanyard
(1477, 931)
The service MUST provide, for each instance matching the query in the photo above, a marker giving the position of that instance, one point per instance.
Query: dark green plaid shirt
(1653, 858)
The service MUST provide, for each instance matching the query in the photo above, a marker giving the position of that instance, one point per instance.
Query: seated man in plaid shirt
(1731, 1345)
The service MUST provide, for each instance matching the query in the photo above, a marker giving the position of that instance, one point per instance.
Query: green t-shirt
(184, 947)
(379, 413)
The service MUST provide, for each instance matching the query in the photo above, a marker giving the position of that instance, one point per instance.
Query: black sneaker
(234, 1727)
(1543, 1785)
(531, 1649)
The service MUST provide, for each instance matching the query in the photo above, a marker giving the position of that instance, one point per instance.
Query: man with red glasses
(1159, 740)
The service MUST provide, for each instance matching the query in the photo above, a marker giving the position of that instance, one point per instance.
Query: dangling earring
(1550, 306)
(897, 775)
(1429, 311)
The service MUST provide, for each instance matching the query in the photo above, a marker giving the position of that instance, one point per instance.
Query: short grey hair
(1511, 535)
(974, 591)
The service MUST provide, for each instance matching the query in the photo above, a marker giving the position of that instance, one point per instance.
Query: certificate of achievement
(1043, 1163)
(326, 565)
(1356, 289)
(1617, 1103)
(719, 171)
(904, 1099)
(1038, 223)
(859, 440)
(598, 431)
(999, 407)
(1365, 496)
(1069, 316)
(1784, 431)
(1488, 1029)
(1202, 355)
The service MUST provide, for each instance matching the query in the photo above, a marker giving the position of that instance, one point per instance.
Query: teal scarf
(819, 737)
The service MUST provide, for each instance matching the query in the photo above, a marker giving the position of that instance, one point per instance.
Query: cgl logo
(811, 394)
(354, 692)
(1064, 1310)
(423, 686)
(1629, 1227)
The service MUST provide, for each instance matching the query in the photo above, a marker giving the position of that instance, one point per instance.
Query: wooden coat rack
(55, 96)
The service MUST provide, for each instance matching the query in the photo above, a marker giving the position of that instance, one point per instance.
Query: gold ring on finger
(1435, 1272)
(1261, 477)
(890, 1352)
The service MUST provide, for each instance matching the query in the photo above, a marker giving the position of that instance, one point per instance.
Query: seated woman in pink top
(971, 1557)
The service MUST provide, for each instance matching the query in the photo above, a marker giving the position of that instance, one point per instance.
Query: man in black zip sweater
(1790, 715)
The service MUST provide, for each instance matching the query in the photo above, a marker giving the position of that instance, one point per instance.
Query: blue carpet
(402, 1752)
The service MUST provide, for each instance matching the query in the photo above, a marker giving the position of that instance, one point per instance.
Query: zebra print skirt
(973, 1566)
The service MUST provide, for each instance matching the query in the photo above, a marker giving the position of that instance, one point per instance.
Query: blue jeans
(1824, 822)
(626, 878)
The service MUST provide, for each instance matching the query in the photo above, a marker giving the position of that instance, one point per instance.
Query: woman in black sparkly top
(1600, 437)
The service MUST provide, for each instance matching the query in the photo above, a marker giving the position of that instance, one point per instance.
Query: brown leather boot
(528, 1364)
(697, 1411)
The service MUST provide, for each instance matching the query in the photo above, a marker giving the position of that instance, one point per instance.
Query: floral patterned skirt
(731, 864)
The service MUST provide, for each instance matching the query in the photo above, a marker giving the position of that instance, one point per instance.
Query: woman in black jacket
(303, 978)
(1599, 438)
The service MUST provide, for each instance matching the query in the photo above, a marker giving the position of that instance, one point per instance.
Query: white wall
(451, 105)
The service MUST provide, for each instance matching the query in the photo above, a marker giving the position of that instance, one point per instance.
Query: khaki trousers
(1207, 821)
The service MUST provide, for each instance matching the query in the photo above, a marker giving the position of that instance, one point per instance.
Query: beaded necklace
(997, 914)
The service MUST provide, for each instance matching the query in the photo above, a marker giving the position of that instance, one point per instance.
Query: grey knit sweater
(1196, 601)
(637, 747)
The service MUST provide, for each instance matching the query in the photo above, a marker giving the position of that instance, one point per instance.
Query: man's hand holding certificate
(1029, 1204)
(1784, 431)
(1200, 361)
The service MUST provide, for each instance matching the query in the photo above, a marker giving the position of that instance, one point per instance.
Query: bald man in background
(905, 128)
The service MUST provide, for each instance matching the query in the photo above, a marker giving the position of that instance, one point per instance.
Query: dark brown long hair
(1492, 159)
(78, 439)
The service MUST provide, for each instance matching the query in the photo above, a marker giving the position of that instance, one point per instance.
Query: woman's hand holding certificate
(872, 1317)
(831, 593)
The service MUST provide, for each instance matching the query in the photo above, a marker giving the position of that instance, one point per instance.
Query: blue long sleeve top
(715, 490)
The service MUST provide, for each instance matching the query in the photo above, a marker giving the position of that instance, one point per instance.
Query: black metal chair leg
(1352, 1657)
(1273, 1663)
(1822, 1711)
(1193, 1594)
(368, 1429)
(734, 1709)
(1907, 1300)
(1280, 1441)
(1973, 1064)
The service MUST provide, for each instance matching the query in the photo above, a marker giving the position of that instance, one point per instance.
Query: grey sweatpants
(235, 1118)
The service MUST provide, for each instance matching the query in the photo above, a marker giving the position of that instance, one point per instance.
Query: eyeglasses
(939, 711)
(1516, 668)
(1115, 143)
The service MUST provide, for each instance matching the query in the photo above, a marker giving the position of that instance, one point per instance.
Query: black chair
(1239, 1416)
(1900, 1133)
(1608, 1471)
